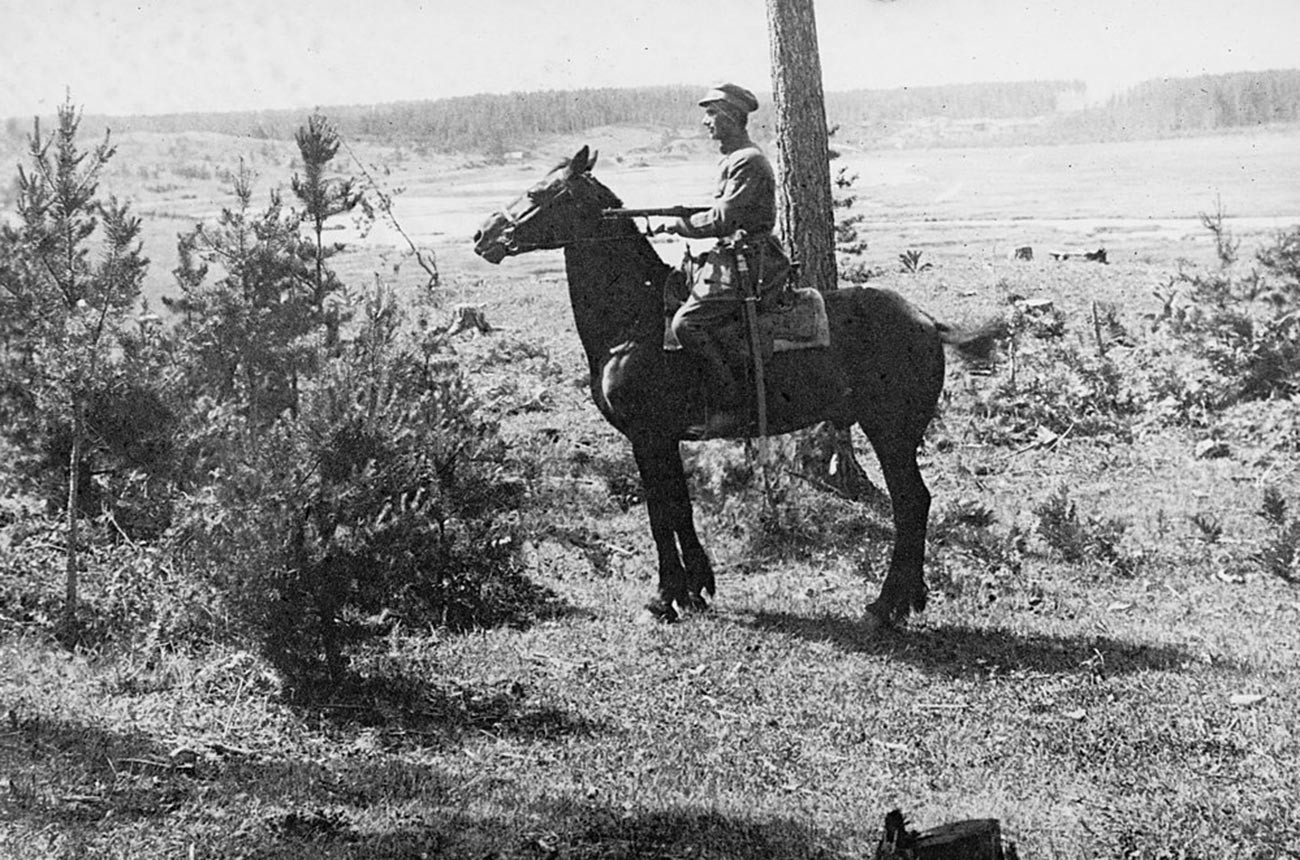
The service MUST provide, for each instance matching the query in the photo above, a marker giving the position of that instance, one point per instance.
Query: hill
(980, 114)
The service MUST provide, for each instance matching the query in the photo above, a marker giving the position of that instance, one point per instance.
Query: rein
(594, 240)
(514, 221)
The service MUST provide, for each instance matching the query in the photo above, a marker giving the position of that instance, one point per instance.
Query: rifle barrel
(662, 212)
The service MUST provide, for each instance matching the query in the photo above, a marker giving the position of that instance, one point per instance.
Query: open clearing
(1145, 712)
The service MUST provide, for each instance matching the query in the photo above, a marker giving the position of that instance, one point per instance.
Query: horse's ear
(581, 162)
(591, 162)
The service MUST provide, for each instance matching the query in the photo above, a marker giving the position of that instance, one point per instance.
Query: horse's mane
(607, 199)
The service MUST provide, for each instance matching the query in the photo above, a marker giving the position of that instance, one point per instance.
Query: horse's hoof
(656, 612)
(695, 603)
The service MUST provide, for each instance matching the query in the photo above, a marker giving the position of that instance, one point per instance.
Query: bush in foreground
(380, 501)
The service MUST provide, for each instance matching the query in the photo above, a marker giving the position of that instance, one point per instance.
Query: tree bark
(804, 203)
(805, 214)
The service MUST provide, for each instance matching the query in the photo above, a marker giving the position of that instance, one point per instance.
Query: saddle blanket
(797, 320)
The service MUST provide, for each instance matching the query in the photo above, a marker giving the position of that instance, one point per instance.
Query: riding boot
(722, 382)
(693, 324)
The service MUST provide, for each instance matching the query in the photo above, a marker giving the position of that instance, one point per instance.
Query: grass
(1097, 710)
(1095, 718)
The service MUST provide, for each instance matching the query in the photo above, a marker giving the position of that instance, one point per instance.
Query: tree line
(498, 123)
(1021, 100)
(1203, 103)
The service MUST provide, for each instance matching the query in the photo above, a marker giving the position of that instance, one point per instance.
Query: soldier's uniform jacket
(745, 198)
(745, 202)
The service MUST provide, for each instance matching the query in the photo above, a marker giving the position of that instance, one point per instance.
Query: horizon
(766, 92)
(158, 57)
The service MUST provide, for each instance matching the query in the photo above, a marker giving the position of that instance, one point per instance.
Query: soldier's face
(720, 124)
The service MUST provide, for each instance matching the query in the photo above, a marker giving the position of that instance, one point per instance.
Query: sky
(169, 56)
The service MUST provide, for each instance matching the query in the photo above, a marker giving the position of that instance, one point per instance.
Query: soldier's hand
(678, 227)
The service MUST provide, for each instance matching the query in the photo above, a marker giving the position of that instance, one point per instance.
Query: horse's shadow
(960, 651)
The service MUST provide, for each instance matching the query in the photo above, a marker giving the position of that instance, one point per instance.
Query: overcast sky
(163, 56)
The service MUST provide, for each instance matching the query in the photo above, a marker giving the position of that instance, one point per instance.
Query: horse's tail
(973, 344)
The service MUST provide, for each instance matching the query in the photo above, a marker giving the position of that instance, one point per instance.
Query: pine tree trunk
(805, 208)
(73, 533)
(805, 214)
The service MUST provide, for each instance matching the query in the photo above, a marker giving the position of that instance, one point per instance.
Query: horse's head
(564, 206)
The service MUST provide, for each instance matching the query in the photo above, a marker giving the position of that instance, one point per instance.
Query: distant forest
(990, 113)
(1179, 106)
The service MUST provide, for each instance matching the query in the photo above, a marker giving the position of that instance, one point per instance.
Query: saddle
(788, 318)
(792, 318)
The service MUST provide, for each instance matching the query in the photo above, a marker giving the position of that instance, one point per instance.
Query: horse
(883, 370)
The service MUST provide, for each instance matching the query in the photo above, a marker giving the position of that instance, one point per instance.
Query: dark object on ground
(972, 839)
(1097, 256)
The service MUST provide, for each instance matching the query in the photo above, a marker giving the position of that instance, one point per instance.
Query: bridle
(515, 220)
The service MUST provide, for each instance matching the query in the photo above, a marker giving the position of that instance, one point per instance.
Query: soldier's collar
(741, 142)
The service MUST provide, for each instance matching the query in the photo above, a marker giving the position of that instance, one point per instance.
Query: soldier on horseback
(741, 219)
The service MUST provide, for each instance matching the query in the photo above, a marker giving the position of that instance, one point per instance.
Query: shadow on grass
(961, 651)
(76, 790)
(69, 773)
(418, 712)
(547, 828)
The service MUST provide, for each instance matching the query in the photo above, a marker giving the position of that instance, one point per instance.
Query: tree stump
(467, 318)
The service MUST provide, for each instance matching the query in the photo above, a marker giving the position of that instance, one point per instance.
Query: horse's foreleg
(699, 570)
(904, 588)
(660, 464)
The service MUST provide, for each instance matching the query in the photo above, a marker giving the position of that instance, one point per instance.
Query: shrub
(1246, 331)
(1056, 386)
(1281, 262)
(131, 596)
(339, 478)
(967, 527)
(380, 502)
(1280, 554)
(246, 336)
(857, 272)
(775, 503)
(1079, 540)
(910, 261)
(71, 270)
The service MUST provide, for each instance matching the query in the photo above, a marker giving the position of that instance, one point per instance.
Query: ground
(1097, 709)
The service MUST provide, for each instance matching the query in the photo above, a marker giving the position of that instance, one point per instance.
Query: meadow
(1105, 665)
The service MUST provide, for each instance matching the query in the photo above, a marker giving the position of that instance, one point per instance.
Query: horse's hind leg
(904, 588)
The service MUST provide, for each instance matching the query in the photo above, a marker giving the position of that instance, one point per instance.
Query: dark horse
(884, 370)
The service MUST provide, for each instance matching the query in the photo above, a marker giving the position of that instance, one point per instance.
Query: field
(1141, 702)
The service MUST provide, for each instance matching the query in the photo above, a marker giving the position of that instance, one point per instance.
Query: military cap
(735, 97)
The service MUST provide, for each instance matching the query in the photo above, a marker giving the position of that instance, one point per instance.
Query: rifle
(664, 212)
